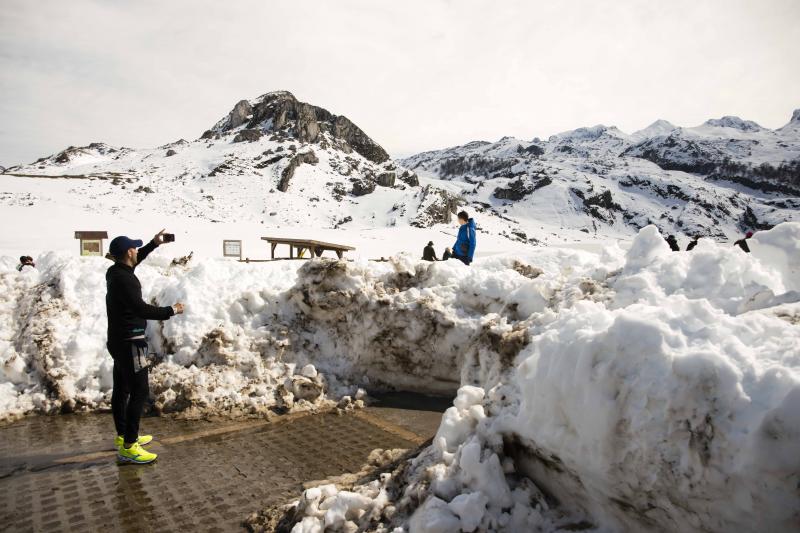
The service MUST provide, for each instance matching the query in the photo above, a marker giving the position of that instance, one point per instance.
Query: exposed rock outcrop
(386, 179)
(296, 161)
(240, 113)
(409, 178)
(281, 111)
(436, 206)
(519, 188)
(362, 187)
(600, 206)
(249, 135)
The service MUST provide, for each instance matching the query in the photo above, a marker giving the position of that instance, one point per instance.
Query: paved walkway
(60, 474)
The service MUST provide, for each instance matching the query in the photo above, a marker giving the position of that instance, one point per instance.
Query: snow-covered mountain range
(718, 179)
(273, 159)
(276, 162)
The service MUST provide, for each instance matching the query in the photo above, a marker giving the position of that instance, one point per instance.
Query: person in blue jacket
(464, 248)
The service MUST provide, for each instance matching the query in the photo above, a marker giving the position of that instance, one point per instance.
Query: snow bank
(250, 332)
(219, 355)
(657, 398)
(780, 248)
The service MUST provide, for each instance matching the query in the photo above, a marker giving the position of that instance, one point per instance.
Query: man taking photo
(127, 318)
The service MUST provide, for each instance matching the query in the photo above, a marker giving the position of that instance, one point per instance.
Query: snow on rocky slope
(274, 163)
(272, 160)
(718, 179)
(619, 390)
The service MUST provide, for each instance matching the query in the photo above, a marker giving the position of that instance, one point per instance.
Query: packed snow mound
(647, 398)
(249, 331)
(219, 358)
(780, 247)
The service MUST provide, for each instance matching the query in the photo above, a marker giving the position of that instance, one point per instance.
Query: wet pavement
(59, 473)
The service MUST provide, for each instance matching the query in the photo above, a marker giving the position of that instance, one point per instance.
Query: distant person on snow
(127, 319)
(464, 248)
(428, 253)
(673, 243)
(25, 261)
(692, 244)
(742, 243)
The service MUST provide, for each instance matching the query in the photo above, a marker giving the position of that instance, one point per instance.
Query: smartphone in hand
(168, 237)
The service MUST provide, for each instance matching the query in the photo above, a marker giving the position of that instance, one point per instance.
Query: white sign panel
(232, 249)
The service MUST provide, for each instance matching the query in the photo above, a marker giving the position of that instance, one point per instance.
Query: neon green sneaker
(143, 440)
(135, 454)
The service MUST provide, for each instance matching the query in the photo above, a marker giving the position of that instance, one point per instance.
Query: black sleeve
(144, 251)
(131, 294)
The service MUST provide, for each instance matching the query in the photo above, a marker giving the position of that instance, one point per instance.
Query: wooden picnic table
(313, 246)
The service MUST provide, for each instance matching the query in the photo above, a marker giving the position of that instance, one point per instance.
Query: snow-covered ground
(49, 224)
(621, 388)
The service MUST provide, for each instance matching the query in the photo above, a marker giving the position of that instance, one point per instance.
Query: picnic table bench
(314, 247)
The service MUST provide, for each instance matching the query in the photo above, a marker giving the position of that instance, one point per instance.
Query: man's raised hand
(159, 238)
(178, 308)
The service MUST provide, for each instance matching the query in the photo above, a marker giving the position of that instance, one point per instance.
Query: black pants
(461, 258)
(131, 388)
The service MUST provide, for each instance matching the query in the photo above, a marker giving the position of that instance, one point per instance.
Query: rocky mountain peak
(657, 128)
(280, 111)
(793, 126)
(733, 122)
(584, 134)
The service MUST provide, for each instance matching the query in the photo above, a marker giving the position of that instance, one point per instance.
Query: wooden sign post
(91, 242)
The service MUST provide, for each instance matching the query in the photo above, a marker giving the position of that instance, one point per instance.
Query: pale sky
(415, 75)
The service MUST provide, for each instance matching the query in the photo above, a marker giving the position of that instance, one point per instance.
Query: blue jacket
(466, 240)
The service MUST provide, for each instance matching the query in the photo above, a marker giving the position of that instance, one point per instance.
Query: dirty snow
(611, 390)
(648, 398)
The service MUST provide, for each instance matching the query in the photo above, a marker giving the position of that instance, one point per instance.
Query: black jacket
(127, 312)
(429, 254)
(742, 243)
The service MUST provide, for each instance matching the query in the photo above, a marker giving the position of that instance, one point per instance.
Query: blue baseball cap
(122, 244)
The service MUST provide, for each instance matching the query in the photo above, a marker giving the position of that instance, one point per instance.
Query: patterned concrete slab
(60, 474)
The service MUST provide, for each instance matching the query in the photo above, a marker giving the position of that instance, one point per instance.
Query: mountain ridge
(719, 179)
(274, 160)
